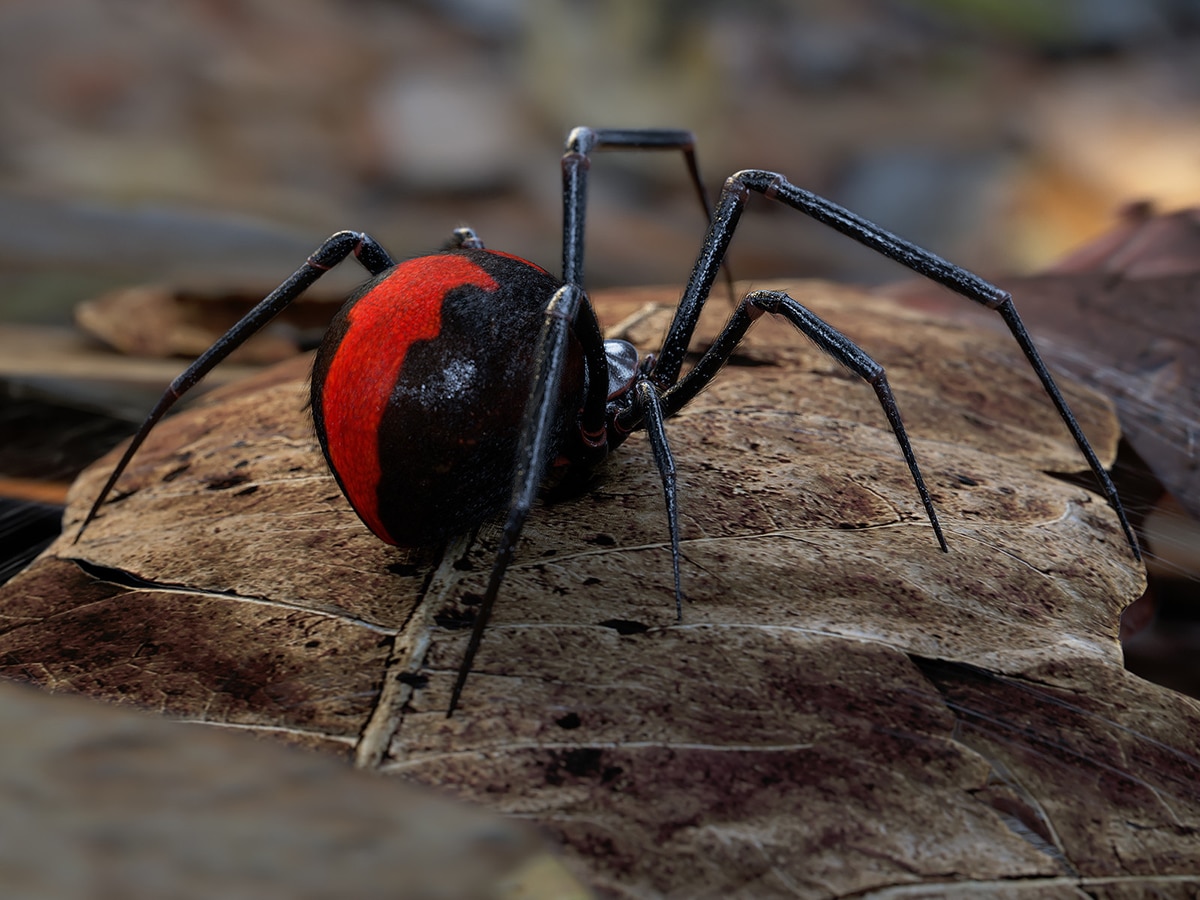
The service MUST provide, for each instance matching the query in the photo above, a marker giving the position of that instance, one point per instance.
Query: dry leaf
(844, 708)
(154, 320)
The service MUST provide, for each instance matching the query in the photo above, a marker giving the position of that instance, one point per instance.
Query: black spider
(449, 384)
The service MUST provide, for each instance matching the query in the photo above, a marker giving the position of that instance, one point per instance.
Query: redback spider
(437, 407)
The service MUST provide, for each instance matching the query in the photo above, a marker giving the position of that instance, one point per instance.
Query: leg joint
(335, 249)
(999, 298)
(769, 184)
(580, 142)
(759, 302)
(565, 303)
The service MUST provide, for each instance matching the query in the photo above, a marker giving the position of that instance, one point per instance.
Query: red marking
(403, 308)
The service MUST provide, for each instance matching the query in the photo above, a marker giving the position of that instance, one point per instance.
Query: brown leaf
(844, 707)
(154, 320)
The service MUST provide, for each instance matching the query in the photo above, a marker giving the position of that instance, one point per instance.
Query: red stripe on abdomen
(403, 308)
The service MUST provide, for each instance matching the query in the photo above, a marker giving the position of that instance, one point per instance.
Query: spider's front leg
(568, 313)
(580, 144)
(775, 187)
(576, 161)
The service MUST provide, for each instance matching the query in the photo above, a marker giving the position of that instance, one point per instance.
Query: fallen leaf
(155, 320)
(844, 708)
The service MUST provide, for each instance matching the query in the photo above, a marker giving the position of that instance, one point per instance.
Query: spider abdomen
(419, 388)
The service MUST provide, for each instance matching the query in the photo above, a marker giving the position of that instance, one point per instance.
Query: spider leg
(335, 249)
(775, 187)
(533, 448)
(646, 398)
(829, 340)
(575, 162)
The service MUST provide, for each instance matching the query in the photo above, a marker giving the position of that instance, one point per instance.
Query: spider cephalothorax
(449, 384)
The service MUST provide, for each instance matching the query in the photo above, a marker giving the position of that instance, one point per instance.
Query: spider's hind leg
(568, 316)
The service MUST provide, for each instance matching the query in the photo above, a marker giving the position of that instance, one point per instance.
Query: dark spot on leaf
(591, 580)
(312, 644)
(241, 464)
(413, 679)
(176, 472)
(603, 540)
(406, 570)
(582, 762)
(966, 479)
(247, 490)
(454, 619)
(223, 484)
(610, 773)
(624, 626)
(247, 680)
(569, 721)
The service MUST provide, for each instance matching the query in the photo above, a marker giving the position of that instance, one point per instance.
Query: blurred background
(208, 143)
(214, 139)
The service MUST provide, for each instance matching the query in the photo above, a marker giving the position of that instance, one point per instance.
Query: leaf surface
(844, 708)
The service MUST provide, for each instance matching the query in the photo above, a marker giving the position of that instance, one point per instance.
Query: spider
(449, 385)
